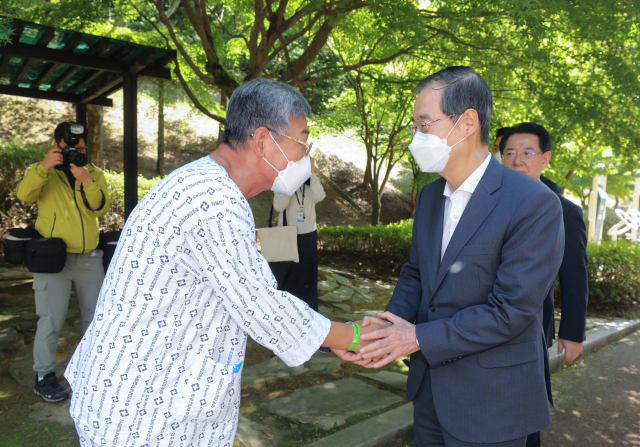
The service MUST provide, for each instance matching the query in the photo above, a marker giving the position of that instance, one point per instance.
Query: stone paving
(331, 403)
(342, 297)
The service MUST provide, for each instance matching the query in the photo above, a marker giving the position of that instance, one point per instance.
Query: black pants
(301, 278)
(533, 440)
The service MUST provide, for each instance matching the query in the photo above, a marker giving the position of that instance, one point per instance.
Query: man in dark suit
(486, 247)
(527, 148)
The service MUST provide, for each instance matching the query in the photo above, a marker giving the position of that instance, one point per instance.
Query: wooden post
(160, 160)
(130, 143)
(81, 113)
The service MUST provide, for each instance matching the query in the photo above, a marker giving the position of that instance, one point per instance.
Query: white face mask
(293, 176)
(430, 151)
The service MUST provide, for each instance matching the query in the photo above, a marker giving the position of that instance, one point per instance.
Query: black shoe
(50, 389)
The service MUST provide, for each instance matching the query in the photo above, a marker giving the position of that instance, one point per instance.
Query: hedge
(614, 267)
(391, 242)
(614, 274)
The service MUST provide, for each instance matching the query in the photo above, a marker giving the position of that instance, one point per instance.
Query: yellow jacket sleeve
(31, 185)
(97, 193)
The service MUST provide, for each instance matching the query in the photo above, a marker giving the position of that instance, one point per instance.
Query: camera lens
(78, 158)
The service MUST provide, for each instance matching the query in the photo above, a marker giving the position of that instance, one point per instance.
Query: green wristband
(356, 337)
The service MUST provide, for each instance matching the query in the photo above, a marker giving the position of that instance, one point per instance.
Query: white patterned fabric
(161, 362)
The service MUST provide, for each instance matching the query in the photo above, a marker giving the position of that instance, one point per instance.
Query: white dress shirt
(456, 201)
(160, 364)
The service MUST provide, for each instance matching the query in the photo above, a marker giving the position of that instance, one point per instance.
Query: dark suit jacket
(479, 311)
(553, 186)
(574, 285)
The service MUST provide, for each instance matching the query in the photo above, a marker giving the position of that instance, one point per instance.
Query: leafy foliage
(614, 267)
(16, 157)
(614, 274)
(6, 30)
(114, 219)
(392, 242)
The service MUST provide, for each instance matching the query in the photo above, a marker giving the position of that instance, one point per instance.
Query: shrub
(614, 274)
(390, 243)
(15, 158)
(114, 219)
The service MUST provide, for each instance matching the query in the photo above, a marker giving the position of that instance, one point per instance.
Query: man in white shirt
(299, 210)
(486, 246)
(160, 364)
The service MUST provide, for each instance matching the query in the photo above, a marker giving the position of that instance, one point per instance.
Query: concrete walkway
(598, 404)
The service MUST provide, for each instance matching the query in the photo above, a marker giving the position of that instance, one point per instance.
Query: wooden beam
(71, 45)
(4, 64)
(98, 90)
(164, 60)
(64, 78)
(52, 96)
(81, 115)
(64, 57)
(156, 72)
(46, 37)
(89, 77)
(29, 63)
(44, 75)
(18, 28)
(99, 47)
(26, 68)
(126, 49)
(140, 61)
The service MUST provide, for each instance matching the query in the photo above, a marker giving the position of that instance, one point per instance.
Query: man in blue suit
(527, 148)
(487, 244)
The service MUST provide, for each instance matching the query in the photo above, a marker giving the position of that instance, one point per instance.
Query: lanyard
(296, 193)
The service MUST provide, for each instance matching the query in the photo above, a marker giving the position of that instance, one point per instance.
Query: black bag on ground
(108, 243)
(15, 244)
(46, 255)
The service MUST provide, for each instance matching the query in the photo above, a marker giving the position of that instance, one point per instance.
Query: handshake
(382, 340)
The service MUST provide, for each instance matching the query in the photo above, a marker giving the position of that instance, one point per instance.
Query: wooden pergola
(45, 62)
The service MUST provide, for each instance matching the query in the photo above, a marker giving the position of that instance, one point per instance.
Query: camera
(72, 133)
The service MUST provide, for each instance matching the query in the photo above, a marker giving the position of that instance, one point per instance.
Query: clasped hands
(381, 342)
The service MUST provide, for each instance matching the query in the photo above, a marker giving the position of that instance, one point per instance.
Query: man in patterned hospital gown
(161, 363)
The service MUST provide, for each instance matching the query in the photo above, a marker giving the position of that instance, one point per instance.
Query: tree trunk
(376, 204)
(223, 103)
(95, 132)
(366, 182)
(160, 161)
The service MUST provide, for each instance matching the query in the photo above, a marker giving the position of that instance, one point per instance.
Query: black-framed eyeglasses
(424, 126)
(526, 155)
(308, 146)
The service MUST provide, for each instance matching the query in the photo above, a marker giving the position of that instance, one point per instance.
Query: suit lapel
(434, 223)
(478, 209)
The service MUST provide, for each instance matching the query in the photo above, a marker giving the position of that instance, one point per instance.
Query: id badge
(300, 216)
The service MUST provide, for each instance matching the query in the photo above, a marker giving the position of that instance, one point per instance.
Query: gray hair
(464, 89)
(262, 102)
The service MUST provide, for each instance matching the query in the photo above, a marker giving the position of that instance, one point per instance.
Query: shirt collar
(470, 184)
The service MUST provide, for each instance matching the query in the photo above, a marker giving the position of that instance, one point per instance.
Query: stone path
(599, 403)
(18, 321)
(274, 368)
(329, 404)
(343, 296)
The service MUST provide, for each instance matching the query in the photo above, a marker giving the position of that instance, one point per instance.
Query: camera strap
(86, 202)
(82, 194)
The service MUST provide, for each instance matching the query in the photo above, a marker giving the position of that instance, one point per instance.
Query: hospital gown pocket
(212, 393)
